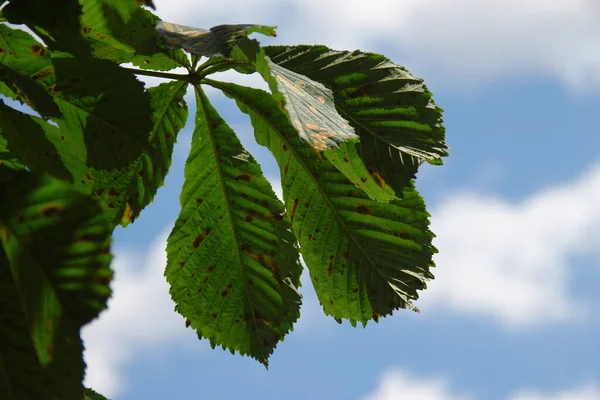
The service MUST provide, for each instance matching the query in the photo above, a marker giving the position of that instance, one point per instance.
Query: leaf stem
(222, 67)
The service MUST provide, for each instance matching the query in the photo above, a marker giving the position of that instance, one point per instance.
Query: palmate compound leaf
(216, 41)
(232, 262)
(392, 111)
(366, 258)
(55, 271)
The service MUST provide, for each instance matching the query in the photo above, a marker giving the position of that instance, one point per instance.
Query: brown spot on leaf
(214, 315)
(50, 210)
(181, 264)
(199, 201)
(86, 29)
(363, 179)
(284, 147)
(246, 247)
(330, 268)
(271, 263)
(274, 215)
(378, 179)
(361, 91)
(355, 290)
(211, 269)
(346, 160)
(243, 178)
(249, 218)
(224, 293)
(293, 212)
(375, 316)
(188, 323)
(345, 255)
(362, 209)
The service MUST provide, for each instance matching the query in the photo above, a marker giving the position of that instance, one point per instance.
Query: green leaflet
(366, 258)
(118, 30)
(393, 112)
(29, 91)
(125, 191)
(123, 32)
(232, 264)
(8, 159)
(21, 57)
(57, 22)
(21, 376)
(28, 137)
(107, 105)
(54, 265)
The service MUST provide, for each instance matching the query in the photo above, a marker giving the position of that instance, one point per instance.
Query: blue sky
(512, 314)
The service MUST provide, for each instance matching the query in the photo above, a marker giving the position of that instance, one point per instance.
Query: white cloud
(458, 43)
(140, 317)
(397, 384)
(511, 261)
(400, 385)
(587, 391)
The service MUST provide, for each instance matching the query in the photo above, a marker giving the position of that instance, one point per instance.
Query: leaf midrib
(200, 101)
